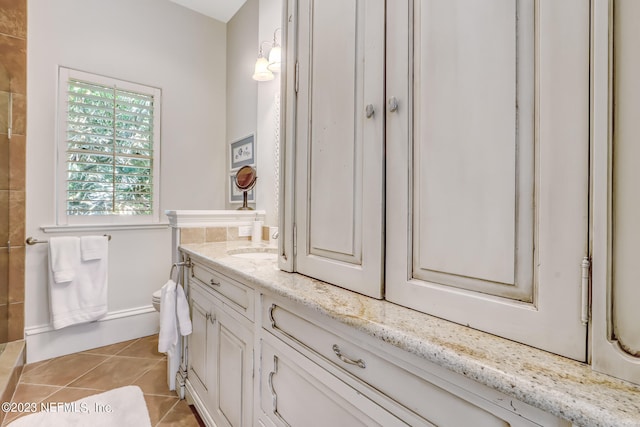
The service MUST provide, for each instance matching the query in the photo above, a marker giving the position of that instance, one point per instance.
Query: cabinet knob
(393, 104)
(214, 283)
(369, 110)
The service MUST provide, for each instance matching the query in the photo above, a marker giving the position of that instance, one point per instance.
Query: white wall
(153, 42)
(242, 90)
(251, 105)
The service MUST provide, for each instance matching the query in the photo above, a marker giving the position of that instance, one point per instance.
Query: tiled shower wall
(13, 121)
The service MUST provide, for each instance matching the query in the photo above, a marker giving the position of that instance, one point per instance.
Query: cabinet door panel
(473, 145)
(487, 165)
(200, 339)
(233, 366)
(339, 155)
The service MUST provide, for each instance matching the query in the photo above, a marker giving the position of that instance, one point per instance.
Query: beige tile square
(16, 216)
(232, 235)
(180, 415)
(192, 235)
(19, 114)
(4, 217)
(62, 370)
(16, 274)
(216, 234)
(13, 73)
(13, 18)
(17, 162)
(154, 381)
(110, 350)
(5, 155)
(4, 278)
(146, 347)
(158, 406)
(16, 322)
(115, 372)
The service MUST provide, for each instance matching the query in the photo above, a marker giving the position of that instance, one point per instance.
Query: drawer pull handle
(211, 318)
(359, 362)
(214, 283)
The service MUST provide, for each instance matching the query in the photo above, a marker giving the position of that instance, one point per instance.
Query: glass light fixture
(261, 71)
(275, 55)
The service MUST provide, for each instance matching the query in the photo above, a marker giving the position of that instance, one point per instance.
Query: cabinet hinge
(297, 77)
(586, 280)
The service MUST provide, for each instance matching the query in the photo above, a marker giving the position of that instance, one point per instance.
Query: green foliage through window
(109, 150)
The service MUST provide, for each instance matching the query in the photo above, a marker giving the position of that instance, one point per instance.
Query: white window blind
(110, 146)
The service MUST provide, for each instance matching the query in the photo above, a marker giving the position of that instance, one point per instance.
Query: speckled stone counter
(560, 386)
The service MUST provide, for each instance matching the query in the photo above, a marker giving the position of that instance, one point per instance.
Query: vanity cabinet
(316, 372)
(220, 349)
(475, 115)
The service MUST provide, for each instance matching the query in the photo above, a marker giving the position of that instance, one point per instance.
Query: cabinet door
(339, 143)
(200, 342)
(232, 363)
(487, 165)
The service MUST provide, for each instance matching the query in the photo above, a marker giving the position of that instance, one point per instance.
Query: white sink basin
(254, 253)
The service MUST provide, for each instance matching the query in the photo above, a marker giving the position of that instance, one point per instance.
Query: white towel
(174, 311)
(81, 299)
(94, 247)
(64, 254)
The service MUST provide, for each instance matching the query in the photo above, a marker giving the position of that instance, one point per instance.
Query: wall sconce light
(261, 71)
(275, 55)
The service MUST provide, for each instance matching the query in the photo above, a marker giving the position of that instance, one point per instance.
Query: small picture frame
(235, 194)
(242, 152)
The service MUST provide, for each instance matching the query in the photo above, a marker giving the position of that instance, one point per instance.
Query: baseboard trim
(44, 342)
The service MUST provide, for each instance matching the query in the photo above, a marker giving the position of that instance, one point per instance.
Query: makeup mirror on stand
(245, 180)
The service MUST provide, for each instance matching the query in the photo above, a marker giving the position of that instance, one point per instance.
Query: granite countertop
(560, 386)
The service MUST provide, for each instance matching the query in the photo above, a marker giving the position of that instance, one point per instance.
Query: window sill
(101, 227)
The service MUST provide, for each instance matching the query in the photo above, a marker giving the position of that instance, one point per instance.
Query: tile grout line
(166, 413)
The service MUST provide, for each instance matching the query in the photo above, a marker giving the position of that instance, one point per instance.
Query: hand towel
(168, 336)
(94, 247)
(182, 311)
(64, 256)
(81, 299)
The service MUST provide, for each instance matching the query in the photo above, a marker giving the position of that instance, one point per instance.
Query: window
(108, 150)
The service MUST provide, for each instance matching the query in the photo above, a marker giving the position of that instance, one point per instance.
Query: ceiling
(222, 10)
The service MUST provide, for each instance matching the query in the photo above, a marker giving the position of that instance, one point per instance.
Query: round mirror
(245, 180)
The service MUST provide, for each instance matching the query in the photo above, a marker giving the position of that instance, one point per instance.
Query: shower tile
(19, 114)
(13, 70)
(4, 277)
(16, 322)
(4, 310)
(16, 217)
(13, 18)
(16, 274)
(4, 111)
(192, 235)
(4, 161)
(4, 217)
(17, 162)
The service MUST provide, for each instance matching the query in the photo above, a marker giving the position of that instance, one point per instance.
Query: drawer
(430, 402)
(236, 295)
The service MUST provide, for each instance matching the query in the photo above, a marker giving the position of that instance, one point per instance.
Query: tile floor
(75, 376)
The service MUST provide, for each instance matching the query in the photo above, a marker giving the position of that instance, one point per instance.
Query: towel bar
(34, 241)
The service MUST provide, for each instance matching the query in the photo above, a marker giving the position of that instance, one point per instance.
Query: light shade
(261, 72)
(275, 58)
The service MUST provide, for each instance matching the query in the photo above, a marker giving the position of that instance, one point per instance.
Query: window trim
(62, 218)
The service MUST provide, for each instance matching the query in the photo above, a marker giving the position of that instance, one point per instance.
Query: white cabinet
(220, 355)
(340, 143)
(483, 112)
(487, 166)
(315, 372)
